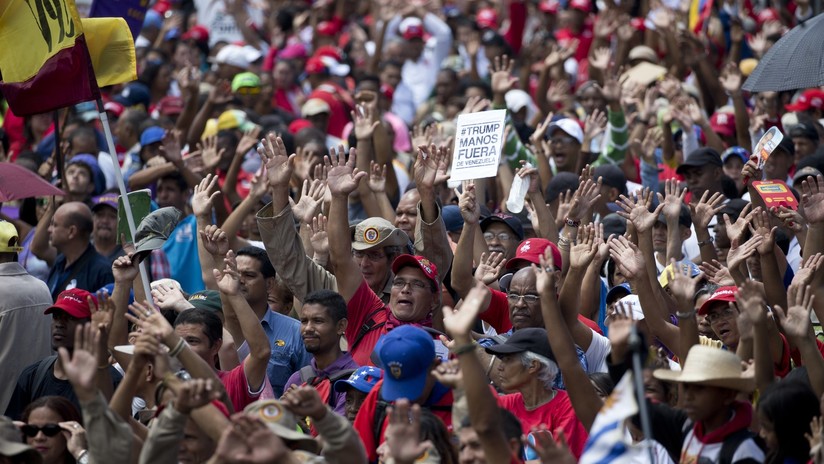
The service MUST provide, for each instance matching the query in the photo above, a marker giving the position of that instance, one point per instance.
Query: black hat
(612, 176)
(802, 129)
(531, 339)
(787, 145)
(734, 207)
(614, 225)
(684, 218)
(700, 157)
(560, 183)
(511, 221)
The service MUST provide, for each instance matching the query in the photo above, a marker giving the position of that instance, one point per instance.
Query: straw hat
(711, 367)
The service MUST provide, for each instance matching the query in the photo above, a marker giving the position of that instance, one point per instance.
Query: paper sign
(766, 145)
(775, 193)
(479, 139)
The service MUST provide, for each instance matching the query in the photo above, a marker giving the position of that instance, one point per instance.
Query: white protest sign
(479, 140)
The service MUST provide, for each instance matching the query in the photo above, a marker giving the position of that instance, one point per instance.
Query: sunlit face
(253, 285)
(79, 179)
(524, 313)
(565, 150)
(722, 320)
(406, 214)
(501, 239)
(320, 333)
(412, 297)
(198, 342)
(52, 449)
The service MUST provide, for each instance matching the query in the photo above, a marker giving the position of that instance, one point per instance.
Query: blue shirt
(92, 272)
(288, 352)
(181, 253)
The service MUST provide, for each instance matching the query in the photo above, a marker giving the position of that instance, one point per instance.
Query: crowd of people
(306, 283)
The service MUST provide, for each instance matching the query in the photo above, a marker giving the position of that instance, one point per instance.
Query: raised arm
(682, 287)
(462, 278)
(702, 213)
(580, 255)
(798, 328)
(672, 201)
(430, 231)
(343, 179)
(751, 303)
(202, 202)
(125, 271)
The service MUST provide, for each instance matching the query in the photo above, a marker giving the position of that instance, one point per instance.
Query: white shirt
(222, 27)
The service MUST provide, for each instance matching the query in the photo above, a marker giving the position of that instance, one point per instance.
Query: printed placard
(775, 193)
(766, 145)
(479, 140)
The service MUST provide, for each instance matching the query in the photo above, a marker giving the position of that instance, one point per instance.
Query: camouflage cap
(155, 229)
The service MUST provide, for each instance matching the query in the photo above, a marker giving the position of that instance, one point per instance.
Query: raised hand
(751, 301)
(594, 125)
(377, 177)
(549, 448)
(204, 196)
(429, 161)
(636, 210)
(795, 322)
(193, 394)
(612, 89)
(258, 186)
(319, 238)
(75, 436)
(125, 269)
(170, 146)
(540, 130)
(792, 219)
(248, 141)
(81, 365)
(584, 199)
(449, 374)
(545, 273)
(559, 54)
(585, 248)
(501, 76)
(490, 267)
(672, 200)
(342, 175)
(215, 241)
(170, 298)
(474, 104)
(250, 441)
(812, 198)
(403, 432)
(736, 230)
(102, 310)
(717, 273)
(210, 154)
(311, 200)
(808, 270)
(228, 279)
(365, 120)
(304, 401)
(150, 320)
(761, 226)
(600, 59)
(739, 254)
(221, 93)
(706, 209)
(627, 257)
(682, 286)
(532, 173)
(279, 165)
(470, 209)
(459, 322)
(731, 78)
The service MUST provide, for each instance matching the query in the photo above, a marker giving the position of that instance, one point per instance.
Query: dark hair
(134, 118)
(468, 84)
(259, 254)
(333, 302)
(389, 63)
(178, 179)
(790, 406)
(231, 135)
(212, 326)
(4, 140)
(151, 71)
(602, 382)
(511, 424)
(63, 407)
(85, 132)
(434, 430)
(309, 135)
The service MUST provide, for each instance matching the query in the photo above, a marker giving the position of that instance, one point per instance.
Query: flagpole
(635, 347)
(58, 156)
(121, 184)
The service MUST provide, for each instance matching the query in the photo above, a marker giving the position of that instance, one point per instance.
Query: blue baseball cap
(617, 292)
(362, 380)
(152, 19)
(134, 94)
(151, 135)
(109, 289)
(405, 354)
(452, 218)
(733, 152)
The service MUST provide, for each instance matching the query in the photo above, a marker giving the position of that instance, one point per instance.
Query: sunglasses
(248, 91)
(48, 430)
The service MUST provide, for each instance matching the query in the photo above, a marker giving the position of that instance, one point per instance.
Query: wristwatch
(572, 222)
(708, 241)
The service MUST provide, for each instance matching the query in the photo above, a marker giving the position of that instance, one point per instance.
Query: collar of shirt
(344, 361)
(12, 269)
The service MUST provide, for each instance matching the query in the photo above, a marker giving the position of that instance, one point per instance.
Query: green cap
(155, 229)
(245, 79)
(208, 300)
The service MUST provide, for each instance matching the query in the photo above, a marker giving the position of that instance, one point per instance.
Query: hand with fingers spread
(403, 432)
(565, 200)
(717, 273)
(501, 76)
(795, 322)
(672, 200)
(548, 448)
(311, 200)
(305, 401)
(635, 209)
(792, 219)
(365, 121)
(682, 285)
(620, 328)
(545, 275)
(808, 270)
(204, 196)
(760, 226)
(279, 165)
(653, 139)
(449, 374)
(628, 258)
(585, 248)
(584, 199)
(490, 267)
(80, 366)
(816, 428)
(377, 177)
(170, 146)
(319, 238)
(258, 185)
(193, 394)
(210, 154)
(429, 161)
(150, 320)
(215, 241)
(228, 279)
(738, 254)
(248, 440)
(750, 300)
(248, 141)
(170, 298)
(706, 209)
(812, 199)
(731, 79)
(600, 58)
(474, 104)
(102, 309)
(612, 89)
(594, 125)
(540, 130)
(342, 175)
(470, 208)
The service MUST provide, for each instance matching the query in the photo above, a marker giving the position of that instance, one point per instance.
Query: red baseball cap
(723, 123)
(427, 267)
(73, 302)
(487, 18)
(327, 28)
(810, 98)
(767, 14)
(583, 5)
(315, 65)
(411, 28)
(549, 6)
(170, 105)
(530, 251)
(116, 108)
(298, 125)
(197, 33)
(722, 295)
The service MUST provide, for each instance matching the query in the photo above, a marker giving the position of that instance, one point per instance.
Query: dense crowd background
(321, 291)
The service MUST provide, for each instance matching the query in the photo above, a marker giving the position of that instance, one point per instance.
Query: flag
(699, 11)
(133, 11)
(44, 62)
(608, 440)
(112, 50)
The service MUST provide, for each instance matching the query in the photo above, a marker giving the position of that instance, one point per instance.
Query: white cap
(237, 56)
(314, 106)
(568, 126)
(517, 99)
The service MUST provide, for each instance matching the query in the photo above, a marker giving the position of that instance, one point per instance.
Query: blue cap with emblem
(406, 354)
(362, 380)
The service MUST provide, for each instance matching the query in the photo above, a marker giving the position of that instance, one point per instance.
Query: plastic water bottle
(517, 193)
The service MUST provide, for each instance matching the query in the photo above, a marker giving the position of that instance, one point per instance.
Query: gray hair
(548, 371)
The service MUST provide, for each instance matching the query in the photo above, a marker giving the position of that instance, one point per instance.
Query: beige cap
(376, 232)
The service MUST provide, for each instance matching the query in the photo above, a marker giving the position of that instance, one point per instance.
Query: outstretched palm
(279, 165)
(343, 177)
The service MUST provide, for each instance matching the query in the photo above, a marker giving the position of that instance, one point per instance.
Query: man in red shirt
(407, 356)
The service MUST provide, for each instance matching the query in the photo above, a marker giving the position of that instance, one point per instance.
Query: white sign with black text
(479, 140)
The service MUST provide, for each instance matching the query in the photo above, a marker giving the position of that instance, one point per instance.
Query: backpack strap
(732, 443)
(40, 375)
(380, 416)
(368, 326)
(307, 374)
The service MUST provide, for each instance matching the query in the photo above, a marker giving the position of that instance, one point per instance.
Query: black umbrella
(796, 61)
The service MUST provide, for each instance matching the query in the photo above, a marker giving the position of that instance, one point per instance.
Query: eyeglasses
(48, 430)
(561, 140)
(248, 91)
(513, 298)
(502, 236)
(725, 313)
(373, 256)
(416, 284)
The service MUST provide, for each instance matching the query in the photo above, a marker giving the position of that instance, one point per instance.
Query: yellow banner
(31, 32)
(111, 47)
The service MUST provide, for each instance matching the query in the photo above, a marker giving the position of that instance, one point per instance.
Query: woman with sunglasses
(52, 427)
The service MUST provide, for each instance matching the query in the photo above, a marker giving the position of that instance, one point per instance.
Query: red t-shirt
(366, 418)
(358, 309)
(237, 387)
(558, 413)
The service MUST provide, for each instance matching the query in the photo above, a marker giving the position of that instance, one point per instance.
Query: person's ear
(270, 284)
(149, 373)
(613, 194)
(341, 326)
(686, 233)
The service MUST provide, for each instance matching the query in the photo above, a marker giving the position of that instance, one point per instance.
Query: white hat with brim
(712, 367)
(569, 127)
